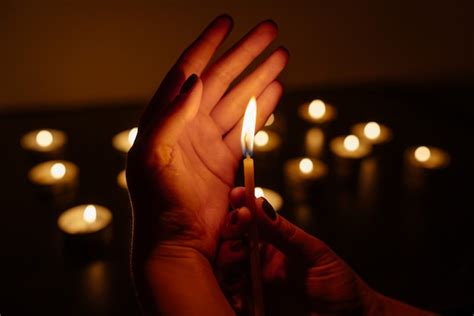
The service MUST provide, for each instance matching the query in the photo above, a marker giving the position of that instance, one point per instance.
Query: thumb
(285, 236)
(181, 111)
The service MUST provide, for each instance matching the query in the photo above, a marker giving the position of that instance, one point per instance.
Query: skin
(180, 172)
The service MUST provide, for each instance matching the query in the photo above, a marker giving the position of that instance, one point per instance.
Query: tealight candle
(55, 176)
(122, 180)
(348, 153)
(373, 132)
(271, 196)
(124, 140)
(303, 177)
(317, 112)
(422, 162)
(45, 142)
(87, 225)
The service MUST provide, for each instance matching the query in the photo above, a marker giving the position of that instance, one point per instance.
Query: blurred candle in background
(348, 152)
(271, 196)
(124, 140)
(317, 112)
(303, 178)
(49, 143)
(87, 225)
(373, 132)
(122, 180)
(424, 166)
(55, 177)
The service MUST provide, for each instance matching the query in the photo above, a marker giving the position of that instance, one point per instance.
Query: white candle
(427, 157)
(44, 141)
(314, 142)
(271, 196)
(350, 147)
(373, 132)
(84, 219)
(54, 175)
(317, 112)
(124, 140)
(302, 176)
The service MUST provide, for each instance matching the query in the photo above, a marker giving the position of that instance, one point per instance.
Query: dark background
(76, 66)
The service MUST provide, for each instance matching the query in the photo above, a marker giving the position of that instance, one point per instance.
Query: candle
(124, 140)
(86, 225)
(271, 196)
(266, 141)
(317, 112)
(247, 143)
(122, 180)
(55, 176)
(314, 142)
(348, 153)
(304, 178)
(372, 132)
(45, 142)
(423, 164)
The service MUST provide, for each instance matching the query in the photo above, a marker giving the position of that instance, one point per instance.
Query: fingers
(286, 237)
(236, 224)
(193, 60)
(219, 76)
(182, 110)
(231, 108)
(266, 103)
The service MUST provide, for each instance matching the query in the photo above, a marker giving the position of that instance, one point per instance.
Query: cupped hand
(301, 275)
(183, 162)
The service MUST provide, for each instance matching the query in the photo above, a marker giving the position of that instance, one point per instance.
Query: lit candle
(124, 140)
(317, 112)
(348, 153)
(271, 196)
(266, 141)
(87, 225)
(423, 164)
(373, 132)
(55, 176)
(247, 143)
(45, 142)
(122, 180)
(303, 177)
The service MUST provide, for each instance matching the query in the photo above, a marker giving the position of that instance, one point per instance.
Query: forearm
(385, 306)
(180, 281)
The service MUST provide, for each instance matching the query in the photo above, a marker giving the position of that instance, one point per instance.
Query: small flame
(261, 138)
(351, 143)
(372, 130)
(259, 192)
(317, 109)
(422, 153)
(132, 134)
(58, 170)
(270, 120)
(44, 138)
(306, 165)
(90, 214)
(248, 127)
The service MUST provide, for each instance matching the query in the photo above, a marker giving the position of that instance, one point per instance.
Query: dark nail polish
(188, 84)
(268, 208)
(234, 217)
(236, 245)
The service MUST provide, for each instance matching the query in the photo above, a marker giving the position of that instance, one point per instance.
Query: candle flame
(372, 130)
(270, 120)
(422, 153)
(261, 138)
(351, 143)
(248, 127)
(306, 165)
(132, 134)
(259, 192)
(44, 138)
(90, 214)
(58, 170)
(317, 109)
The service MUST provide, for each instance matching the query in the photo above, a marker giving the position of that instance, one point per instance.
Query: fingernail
(188, 84)
(236, 245)
(268, 208)
(234, 217)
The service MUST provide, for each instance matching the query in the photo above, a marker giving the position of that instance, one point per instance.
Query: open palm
(183, 163)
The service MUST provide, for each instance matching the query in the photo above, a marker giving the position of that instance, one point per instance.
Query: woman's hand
(301, 275)
(183, 163)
